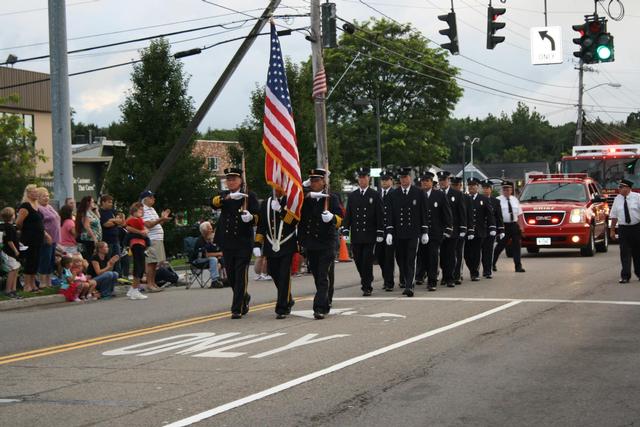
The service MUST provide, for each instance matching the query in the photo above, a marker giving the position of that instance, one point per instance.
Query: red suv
(564, 211)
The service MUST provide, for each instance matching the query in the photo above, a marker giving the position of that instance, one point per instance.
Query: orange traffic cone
(344, 252)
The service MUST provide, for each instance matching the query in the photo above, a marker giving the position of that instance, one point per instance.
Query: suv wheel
(604, 245)
(590, 249)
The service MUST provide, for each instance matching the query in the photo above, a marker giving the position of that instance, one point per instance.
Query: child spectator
(68, 231)
(87, 287)
(101, 270)
(10, 251)
(69, 288)
(135, 226)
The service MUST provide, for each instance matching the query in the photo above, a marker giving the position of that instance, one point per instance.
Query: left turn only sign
(546, 45)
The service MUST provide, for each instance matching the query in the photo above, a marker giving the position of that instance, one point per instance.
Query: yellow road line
(122, 336)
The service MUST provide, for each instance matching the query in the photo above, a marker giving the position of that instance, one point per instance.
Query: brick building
(216, 156)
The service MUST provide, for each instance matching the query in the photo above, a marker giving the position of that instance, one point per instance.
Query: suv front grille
(544, 218)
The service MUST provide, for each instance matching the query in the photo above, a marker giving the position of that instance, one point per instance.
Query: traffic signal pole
(580, 94)
(322, 152)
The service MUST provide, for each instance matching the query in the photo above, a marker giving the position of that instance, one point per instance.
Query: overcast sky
(96, 96)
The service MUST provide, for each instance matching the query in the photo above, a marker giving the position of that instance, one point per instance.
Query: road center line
(538, 300)
(317, 374)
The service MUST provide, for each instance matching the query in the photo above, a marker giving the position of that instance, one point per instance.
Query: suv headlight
(576, 216)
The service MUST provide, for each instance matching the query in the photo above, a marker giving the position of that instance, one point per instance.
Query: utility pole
(60, 112)
(580, 93)
(187, 133)
(378, 142)
(322, 152)
(464, 161)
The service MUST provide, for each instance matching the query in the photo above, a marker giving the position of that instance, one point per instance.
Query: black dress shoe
(317, 315)
(236, 316)
(388, 289)
(494, 267)
(281, 316)
(419, 283)
(458, 282)
(450, 285)
(245, 307)
(475, 279)
(520, 270)
(432, 288)
(408, 292)
(621, 281)
(488, 276)
(366, 293)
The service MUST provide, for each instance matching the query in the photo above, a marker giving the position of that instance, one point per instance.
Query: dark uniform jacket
(313, 233)
(385, 207)
(439, 216)
(364, 216)
(233, 234)
(458, 210)
(497, 214)
(408, 218)
(482, 216)
(269, 224)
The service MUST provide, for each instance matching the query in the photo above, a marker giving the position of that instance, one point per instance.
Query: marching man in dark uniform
(276, 240)
(384, 252)
(425, 184)
(487, 245)
(482, 226)
(440, 226)
(625, 213)
(364, 221)
(448, 253)
(317, 233)
(406, 226)
(234, 234)
(510, 207)
(456, 184)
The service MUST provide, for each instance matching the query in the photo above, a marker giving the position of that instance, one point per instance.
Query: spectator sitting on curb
(207, 254)
(153, 223)
(101, 270)
(69, 288)
(87, 287)
(10, 252)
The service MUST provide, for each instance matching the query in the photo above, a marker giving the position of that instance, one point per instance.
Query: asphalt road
(557, 345)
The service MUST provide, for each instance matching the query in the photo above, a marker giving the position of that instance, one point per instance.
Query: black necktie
(406, 191)
(510, 208)
(627, 214)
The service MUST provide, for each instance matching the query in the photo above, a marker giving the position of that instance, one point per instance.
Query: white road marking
(554, 301)
(378, 315)
(10, 400)
(317, 374)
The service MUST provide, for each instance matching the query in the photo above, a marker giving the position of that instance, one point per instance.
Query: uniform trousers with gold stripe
(236, 264)
(279, 269)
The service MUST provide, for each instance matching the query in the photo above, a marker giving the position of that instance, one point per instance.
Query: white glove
(327, 216)
(275, 205)
(470, 237)
(237, 195)
(462, 234)
(257, 252)
(306, 183)
(317, 196)
(501, 236)
(379, 239)
(424, 239)
(389, 239)
(246, 216)
(446, 235)
(492, 233)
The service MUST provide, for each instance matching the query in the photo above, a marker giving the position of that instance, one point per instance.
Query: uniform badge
(453, 198)
(480, 202)
(435, 204)
(415, 202)
(370, 200)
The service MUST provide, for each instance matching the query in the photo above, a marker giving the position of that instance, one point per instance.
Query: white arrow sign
(546, 45)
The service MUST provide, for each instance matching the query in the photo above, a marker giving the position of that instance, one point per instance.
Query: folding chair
(196, 266)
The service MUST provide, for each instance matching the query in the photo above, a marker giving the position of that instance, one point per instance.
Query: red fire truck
(606, 165)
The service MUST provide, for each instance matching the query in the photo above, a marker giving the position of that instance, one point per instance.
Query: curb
(31, 302)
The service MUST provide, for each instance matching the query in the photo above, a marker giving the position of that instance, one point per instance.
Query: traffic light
(596, 44)
(492, 26)
(584, 42)
(604, 47)
(451, 32)
(329, 37)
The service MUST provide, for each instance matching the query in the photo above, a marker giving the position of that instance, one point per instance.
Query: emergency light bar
(591, 150)
(550, 176)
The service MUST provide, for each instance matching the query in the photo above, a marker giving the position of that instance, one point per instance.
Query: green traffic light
(603, 52)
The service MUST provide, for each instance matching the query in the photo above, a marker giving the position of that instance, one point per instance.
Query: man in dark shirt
(110, 224)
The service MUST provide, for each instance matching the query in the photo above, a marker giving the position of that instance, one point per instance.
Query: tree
(156, 110)
(18, 156)
(415, 99)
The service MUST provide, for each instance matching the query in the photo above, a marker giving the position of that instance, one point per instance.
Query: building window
(28, 121)
(213, 163)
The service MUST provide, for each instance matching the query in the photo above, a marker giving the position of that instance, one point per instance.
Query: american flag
(282, 162)
(319, 84)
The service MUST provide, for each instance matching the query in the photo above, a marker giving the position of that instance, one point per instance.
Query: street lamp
(581, 92)
(473, 141)
(376, 105)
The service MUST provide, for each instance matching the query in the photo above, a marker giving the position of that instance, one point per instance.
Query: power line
(20, 12)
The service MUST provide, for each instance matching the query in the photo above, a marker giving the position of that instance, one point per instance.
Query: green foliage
(220, 135)
(18, 157)
(155, 112)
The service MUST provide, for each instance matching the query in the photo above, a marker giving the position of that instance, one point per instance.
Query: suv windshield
(563, 191)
